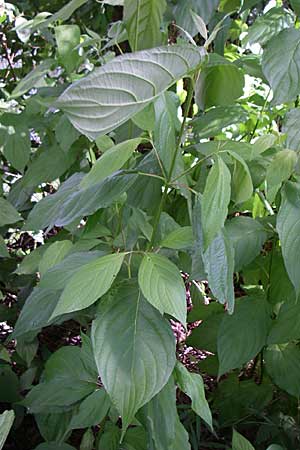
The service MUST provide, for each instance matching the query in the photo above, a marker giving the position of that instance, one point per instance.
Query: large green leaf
(179, 239)
(162, 285)
(281, 65)
(37, 310)
(134, 350)
(192, 384)
(167, 126)
(89, 283)
(242, 186)
(121, 88)
(53, 255)
(243, 335)
(286, 327)
(184, 17)
(219, 85)
(71, 201)
(239, 442)
(288, 227)
(15, 144)
(67, 39)
(8, 214)
(290, 127)
(66, 380)
(269, 25)
(111, 161)
(91, 411)
(143, 19)
(215, 201)
(159, 417)
(213, 121)
(219, 265)
(283, 365)
(280, 169)
(32, 78)
(6, 421)
(247, 236)
(60, 274)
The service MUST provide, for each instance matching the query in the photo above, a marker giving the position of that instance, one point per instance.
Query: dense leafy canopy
(149, 224)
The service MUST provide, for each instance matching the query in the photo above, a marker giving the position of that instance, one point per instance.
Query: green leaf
(54, 254)
(143, 19)
(145, 119)
(269, 25)
(134, 350)
(283, 365)
(183, 12)
(239, 442)
(288, 227)
(3, 249)
(247, 237)
(296, 6)
(135, 439)
(71, 202)
(235, 399)
(15, 145)
(286, 327)
(219, 265)
(200, 24)
(60, 274)
(48, 164)
(91, 411)
(121, 88)
(219, 85)
(215, 201)
(110, 439)
(241, 182)
(290, 127)
(33, 78)
(6, 421)
(89, 283)
(205, 335)
(67, 39)
(54, 446)
(162, 285)
(280, 169)
(8, 214)
(111, 161)
(165, 137)
(179, 239)
(159, 417)
(65, 133)
(281, 65)
(66, 380)
(198, 270)
(252, 316)
(213, 121)
(192, 385)
(37, 311)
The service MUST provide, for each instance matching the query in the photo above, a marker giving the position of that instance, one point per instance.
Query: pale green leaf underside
(162, 286)
(134, 350)
(121, 88)
(89, 284)
(6, 421)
